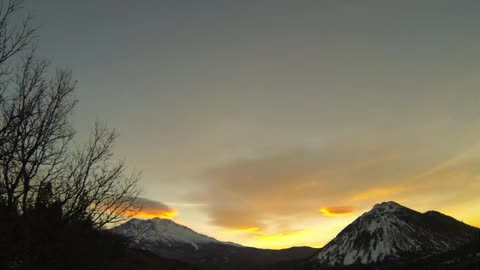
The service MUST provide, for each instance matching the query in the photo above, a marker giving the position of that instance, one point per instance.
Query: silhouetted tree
(14, 37)
(47, 183)
(45, 196)
(96, 186)
(36, 147)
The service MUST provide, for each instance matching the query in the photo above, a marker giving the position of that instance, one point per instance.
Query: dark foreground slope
(466, 257)
(146, 260)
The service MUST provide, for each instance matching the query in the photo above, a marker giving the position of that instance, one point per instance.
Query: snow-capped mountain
(168, 239)
(390, 232)
(164, 232)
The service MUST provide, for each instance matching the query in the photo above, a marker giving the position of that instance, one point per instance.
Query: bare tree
(36, 152)
(36, 130)
(95, 185)
(40, 167)
(36, 139)
(14, 38)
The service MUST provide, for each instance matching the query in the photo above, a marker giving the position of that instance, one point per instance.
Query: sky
(277, 123)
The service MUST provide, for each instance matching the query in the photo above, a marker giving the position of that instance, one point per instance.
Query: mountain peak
(155, 219)
(389, 206)
(161, 230)
(390, 231)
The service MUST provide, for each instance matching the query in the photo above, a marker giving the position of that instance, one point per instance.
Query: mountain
(170, 240)
(391, 232)
(163, 232)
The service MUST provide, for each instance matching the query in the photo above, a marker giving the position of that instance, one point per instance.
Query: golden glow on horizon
(246, 230)
(278, 238)
(153, 213)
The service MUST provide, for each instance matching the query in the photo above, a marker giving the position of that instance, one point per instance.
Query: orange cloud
(335, 211)
(146, 208)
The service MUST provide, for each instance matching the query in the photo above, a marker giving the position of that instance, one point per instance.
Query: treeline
(56, 196)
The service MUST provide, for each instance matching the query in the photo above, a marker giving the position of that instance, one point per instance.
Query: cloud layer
(271, 192)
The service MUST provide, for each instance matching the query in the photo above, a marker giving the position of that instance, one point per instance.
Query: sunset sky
(277, 123)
